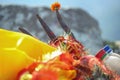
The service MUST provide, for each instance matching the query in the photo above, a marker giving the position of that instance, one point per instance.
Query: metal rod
(63, 25)
(24, 31)
(46, 28)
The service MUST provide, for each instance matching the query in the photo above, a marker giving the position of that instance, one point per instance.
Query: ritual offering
(110, 59)
(24, 57)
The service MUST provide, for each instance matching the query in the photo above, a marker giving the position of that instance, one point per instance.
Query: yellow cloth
(18, 50)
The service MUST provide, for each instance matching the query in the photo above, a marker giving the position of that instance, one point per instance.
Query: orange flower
(45, 74)
(66, 58)
(55, 6)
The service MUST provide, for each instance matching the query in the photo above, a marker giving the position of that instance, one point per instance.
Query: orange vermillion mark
(55, 6)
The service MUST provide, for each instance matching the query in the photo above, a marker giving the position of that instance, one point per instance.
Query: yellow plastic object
(18, 50)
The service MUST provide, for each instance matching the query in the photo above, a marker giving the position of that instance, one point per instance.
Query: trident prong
(24, 31)
(63, 25)
(46, 28)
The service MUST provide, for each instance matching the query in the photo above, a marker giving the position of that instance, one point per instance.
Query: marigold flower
(45, 74)
(55, 6)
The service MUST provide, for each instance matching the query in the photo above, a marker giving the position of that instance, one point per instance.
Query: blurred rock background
(85, 28)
